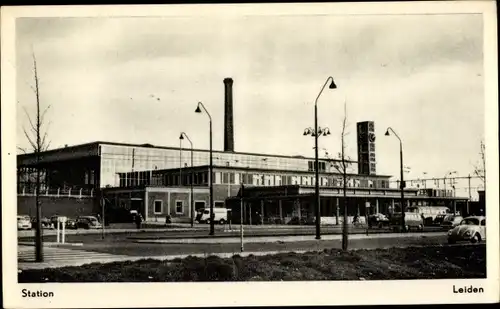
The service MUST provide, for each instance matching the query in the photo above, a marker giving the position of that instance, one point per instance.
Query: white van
(220, 215)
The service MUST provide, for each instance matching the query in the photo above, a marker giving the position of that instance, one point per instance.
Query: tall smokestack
(228, 115)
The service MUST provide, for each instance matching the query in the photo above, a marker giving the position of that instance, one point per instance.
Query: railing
(74, 192)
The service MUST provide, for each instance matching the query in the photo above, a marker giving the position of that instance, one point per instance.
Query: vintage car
(378, 220)
(413, 221)
(46, 224)
(88, 222)
(450, 221)
(471, 229)
(23, 223)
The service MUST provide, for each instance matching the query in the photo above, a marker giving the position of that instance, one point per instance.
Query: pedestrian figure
(138, 220)
(355, 220)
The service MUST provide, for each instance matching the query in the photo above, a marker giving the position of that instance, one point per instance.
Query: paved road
(103, 251)
(86, 236)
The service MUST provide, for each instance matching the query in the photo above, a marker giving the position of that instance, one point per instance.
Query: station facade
(156, 181)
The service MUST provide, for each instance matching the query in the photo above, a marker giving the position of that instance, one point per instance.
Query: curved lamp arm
(203, 106)
(187, 137)
(332, 86)
(390, 129)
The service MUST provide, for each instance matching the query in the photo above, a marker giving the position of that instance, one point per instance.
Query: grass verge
(437, 262)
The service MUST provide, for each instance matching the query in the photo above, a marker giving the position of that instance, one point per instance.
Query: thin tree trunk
(38, 236)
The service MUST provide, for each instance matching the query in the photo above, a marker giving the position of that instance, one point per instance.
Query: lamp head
(181, 137)
(198, 109)
(332, 85)
(387, 133)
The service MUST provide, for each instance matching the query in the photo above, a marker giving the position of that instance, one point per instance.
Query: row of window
(179, 206)
(311, 165)
(201, 178)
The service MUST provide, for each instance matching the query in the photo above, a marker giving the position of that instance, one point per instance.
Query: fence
(59, 192)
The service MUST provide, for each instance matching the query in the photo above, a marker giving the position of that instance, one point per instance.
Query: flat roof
(97, 143)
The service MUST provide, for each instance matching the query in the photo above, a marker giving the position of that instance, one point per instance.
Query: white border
(224, 294)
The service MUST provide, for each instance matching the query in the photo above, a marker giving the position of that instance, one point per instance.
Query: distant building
(154, 180)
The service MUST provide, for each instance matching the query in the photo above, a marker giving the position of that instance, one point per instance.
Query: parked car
(471, 229)
(439, 219)
(297, 221)
(71, 224)
(23, 222)
(413, 221)
(378, 219)
(220, 216)
(54, 219)
(88, 222)
(450, 221)
(46, 224)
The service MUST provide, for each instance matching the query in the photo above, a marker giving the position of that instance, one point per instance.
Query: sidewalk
(282, 239)
(179, 227)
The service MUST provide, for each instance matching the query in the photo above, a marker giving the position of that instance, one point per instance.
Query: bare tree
(37, 138)
(342, 167)
(480, 168)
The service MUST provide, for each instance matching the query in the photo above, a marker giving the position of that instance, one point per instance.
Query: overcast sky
(420, 74)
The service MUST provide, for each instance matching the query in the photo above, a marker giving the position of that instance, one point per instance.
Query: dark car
(297, 221)
(46, 224)
(378, 220)
(71, 224)
(439, 219)
(88, 222)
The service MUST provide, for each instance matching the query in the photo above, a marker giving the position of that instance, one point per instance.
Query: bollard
(63, 236)
(57, 231)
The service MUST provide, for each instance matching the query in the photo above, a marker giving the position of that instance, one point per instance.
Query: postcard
(250, 154)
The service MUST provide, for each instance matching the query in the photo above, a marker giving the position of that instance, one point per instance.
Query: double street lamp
(316, 132)
(211, 188)
(445, 177)
(181, 137)
(402, 183)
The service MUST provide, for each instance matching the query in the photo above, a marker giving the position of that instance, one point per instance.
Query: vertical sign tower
(367, 161)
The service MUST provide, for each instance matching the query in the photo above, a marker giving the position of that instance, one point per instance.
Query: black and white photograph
(349, 146)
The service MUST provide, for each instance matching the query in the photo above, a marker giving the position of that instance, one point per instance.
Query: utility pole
(241, 218)
(470, 196)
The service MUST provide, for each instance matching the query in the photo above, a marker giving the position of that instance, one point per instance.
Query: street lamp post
(401, 183)
(316, 133)
(449, 173)
(181, 137)
(211, 188)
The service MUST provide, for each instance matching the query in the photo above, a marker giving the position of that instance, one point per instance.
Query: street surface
(122, 247)
(185, 231)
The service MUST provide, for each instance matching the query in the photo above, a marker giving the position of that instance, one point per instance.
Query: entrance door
(138, 205)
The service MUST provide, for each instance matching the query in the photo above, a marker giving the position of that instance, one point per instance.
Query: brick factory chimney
(228, 115)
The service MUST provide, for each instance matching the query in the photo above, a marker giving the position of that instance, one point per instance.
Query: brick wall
(168, 206)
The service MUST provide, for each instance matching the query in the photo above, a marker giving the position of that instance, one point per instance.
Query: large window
(218, 204)
(158, 207)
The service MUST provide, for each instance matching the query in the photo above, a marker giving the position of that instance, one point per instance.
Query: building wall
(123, 159)
(51, 205)
(169, 197)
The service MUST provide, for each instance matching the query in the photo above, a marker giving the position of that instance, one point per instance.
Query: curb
(52, 244)
(282, 238)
